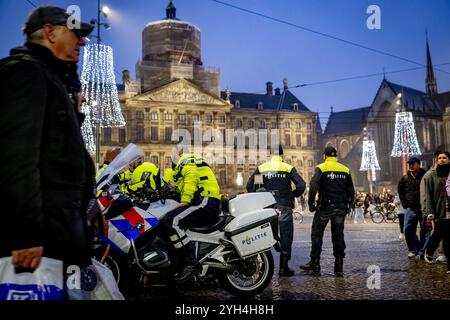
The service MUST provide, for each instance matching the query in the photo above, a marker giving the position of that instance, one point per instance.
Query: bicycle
(298, 216)
(376, 213)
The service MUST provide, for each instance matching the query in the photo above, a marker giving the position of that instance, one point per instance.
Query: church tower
(430, 81)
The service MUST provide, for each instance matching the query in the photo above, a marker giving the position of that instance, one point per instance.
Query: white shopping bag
(106, 288)
(45, 283)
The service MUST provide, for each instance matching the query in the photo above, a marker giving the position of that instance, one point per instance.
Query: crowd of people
(424, 196)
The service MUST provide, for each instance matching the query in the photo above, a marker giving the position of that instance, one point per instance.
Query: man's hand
(171, 185)
(183, 204)
(312, 208)
(27, 258)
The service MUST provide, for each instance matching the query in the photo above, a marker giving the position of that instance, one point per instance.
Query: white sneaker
(401, 236)
(411, 255)
(441, 258)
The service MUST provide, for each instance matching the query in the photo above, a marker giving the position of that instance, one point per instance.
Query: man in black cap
(409, 193)
(333, 182)
(47, 176)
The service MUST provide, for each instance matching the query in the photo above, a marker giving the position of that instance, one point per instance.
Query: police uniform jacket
(278, 177)
(333, 182)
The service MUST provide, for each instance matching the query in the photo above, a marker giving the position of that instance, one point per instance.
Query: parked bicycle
(385, 211)
(298, 216)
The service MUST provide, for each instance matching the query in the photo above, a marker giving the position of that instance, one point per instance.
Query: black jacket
(47, 176)
(278, 176)
(333, 181)
(409, 190)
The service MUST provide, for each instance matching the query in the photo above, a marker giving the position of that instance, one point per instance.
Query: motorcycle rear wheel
(250, 277)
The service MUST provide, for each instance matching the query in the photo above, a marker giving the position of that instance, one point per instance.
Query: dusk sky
(251, 50)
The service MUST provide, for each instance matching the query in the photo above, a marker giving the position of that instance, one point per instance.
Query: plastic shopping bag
(106, 288)
(45, 283)
(97, 282)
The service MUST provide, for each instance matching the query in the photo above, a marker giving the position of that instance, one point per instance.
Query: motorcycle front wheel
(251, 276)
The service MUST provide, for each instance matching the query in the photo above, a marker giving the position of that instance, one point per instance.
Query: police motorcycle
(235, 249)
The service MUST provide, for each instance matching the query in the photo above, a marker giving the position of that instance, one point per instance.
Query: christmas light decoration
(405, 138)
(102, 107)
(369, 157)
(87, 130)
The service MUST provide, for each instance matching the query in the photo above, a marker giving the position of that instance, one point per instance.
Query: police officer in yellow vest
(168, 175)
(200, 205)
(144, 172)
(277, 176)
(333, 182)
(110, 155)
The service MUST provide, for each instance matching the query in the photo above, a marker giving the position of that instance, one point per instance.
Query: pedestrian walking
(401, 216)
(47, 174)
(333, 182)
(423, 203)
(409, 193)
(437, 206)
(277, 177)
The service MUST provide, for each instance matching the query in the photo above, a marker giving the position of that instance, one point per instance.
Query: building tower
(171, 50)
(430, 81)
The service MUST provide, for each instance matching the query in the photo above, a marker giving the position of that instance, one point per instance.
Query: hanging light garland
(405, 138)
(369, 157)
(98, 84)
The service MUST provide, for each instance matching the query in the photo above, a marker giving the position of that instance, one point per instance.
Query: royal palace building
(176, 99)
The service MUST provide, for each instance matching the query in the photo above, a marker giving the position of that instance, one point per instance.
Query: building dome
(171, 39)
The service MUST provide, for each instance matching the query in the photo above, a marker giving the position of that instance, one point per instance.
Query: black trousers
(319, 224)
(286, 226)
(441, 232)
(174, 223)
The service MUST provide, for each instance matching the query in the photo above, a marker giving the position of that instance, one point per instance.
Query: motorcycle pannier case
(253, 232)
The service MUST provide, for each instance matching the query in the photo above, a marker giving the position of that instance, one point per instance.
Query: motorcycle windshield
(131, 153)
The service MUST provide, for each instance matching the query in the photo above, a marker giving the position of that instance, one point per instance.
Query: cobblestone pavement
(367, 245)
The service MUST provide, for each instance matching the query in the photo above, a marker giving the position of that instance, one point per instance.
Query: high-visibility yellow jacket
(168, 175)
(140, 175)
(192, 174)
(121, 178)
(278, 176)
(100, 170)
(333, 182)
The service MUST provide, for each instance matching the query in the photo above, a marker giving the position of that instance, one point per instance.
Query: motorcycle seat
(211, 227)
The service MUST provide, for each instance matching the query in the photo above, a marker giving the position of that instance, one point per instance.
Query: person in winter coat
(409, 193)
(47, 175)
(437, 206)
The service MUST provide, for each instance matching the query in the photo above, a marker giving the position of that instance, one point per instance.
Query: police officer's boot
(284, 268)
(339, 267)
(189, 263)
(313, 265)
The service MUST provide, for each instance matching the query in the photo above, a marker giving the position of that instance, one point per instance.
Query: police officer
(333, 182)
(109, 156)
(146, 171)
(199, 205)
(277, 177)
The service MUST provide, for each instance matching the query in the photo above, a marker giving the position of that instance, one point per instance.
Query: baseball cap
(54, 16)
(330, 151)
(413, 160)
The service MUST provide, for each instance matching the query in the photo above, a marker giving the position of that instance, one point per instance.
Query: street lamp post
(105, 11)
